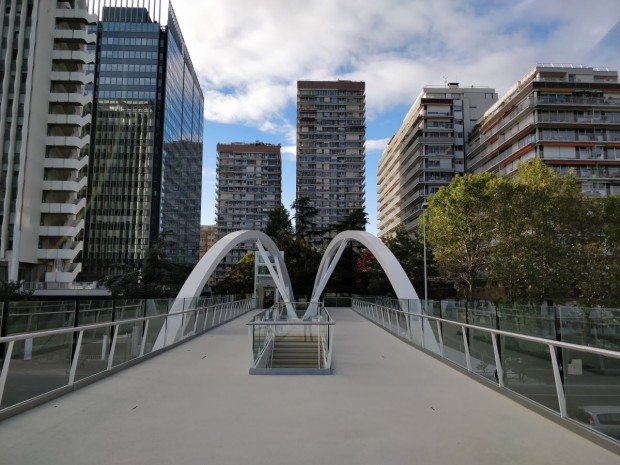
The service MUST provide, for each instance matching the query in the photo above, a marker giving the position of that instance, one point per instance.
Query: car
(603, 418)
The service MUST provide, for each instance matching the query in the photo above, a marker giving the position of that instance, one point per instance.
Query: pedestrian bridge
(387, 402)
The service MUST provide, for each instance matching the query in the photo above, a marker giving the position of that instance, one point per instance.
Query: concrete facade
(427, 151)
(566, 115)
(45, 131)
(249, 186)
(331, 133)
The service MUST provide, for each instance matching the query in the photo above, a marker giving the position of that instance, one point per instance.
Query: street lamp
(424, 207)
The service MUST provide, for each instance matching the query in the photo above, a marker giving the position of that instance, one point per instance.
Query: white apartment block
(44, 128)
(564, 114)
(331, 132)
(427, 151)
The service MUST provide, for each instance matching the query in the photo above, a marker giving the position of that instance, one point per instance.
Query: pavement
(386, 403)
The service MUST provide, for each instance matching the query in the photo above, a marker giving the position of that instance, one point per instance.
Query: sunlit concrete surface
(387, 403)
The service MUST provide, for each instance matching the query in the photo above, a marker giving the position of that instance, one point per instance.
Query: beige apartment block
(427, 151)
(564, 114)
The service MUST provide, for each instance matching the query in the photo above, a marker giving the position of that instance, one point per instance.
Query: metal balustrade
(279, 343)
(573, 381)
(41, 365)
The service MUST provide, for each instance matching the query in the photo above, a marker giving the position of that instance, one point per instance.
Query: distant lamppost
(424, 207)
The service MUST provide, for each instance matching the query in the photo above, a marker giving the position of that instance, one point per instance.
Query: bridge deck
(387, 403)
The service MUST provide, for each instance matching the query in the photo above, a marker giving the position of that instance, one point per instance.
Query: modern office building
(146, 159)
(208, 237)
(427, 151)
(331, 131)
(566, 115)
(44, 131)
(249, 186)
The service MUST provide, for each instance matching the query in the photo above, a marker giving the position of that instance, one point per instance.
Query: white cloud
(289, 152)
(376, 145)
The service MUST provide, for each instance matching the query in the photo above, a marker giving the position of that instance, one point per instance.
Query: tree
(356, 220)
(537, 234)
(12, 290)
(240, 278)
(305, 227)
(279, 226)
(409, 251)
(460, 227)
(158, 277)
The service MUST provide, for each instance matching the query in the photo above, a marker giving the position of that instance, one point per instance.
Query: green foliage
(12, 290)
(279, 226)
(305, 227)
(240, 279)
(535, 236)
(356, 220)
(158, 278)
(460, 226)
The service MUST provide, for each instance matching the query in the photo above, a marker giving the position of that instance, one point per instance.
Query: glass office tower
(147, 143)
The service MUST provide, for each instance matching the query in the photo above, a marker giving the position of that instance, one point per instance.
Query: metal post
(424, 207)
(559, 386)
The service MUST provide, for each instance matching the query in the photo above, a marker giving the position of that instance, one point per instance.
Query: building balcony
(70, 230)
(73, 55)
(71, 120)
(68, 276)
(72, 76)
(66, 163)
(68, 253)
(70, 185)
(75, 35)
(67, 141)
(64, 11)
(69, 208)
(70, 97)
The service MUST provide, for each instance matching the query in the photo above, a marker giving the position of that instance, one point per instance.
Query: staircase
(297, 351)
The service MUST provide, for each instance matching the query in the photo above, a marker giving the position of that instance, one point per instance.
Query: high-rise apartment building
(249, 186)
(427, 151)
(44, 134)
(208, 237)
(145, 172)
(331, 131)
(566, 115)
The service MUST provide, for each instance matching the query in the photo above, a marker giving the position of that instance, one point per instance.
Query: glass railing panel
(200, 316)
(95, 311)
(174, 328)
(481, 353)
(127, 309)
(189, 319)
(128, 342)
(592, 384)
(156, 325)
(37, 366)
(453, 345)
(528, 370)
(593, 327)
(94, 353)
(525, 319)
(29, 316)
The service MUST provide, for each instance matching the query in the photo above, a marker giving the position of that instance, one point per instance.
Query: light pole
(424, 207)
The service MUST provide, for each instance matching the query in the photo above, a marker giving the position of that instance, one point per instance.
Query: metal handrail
(499, 332)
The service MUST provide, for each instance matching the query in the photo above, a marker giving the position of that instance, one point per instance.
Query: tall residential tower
(427, 151)
(44, 132)
(249, 186)
(331, 132)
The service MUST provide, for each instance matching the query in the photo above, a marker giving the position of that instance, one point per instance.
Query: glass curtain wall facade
(181, 181)
(147, 147)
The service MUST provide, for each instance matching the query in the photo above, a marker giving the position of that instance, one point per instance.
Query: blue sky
(249, 54)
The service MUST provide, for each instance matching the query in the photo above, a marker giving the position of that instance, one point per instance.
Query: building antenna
(445, 80)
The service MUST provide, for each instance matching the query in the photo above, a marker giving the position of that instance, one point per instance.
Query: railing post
(466, 345)
(498, 362)
(559, 387)
(440, 337)
(146, 330)
(76, 358)
(251, 344)
(111, 356)
(5, 368)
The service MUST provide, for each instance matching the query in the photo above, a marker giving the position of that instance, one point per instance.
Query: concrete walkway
(387, 403)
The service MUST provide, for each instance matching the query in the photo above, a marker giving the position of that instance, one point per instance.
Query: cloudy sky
(250, 53)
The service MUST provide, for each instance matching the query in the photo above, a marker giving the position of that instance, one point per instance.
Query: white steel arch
(206, 266)
(421, 330)
(394, 271)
